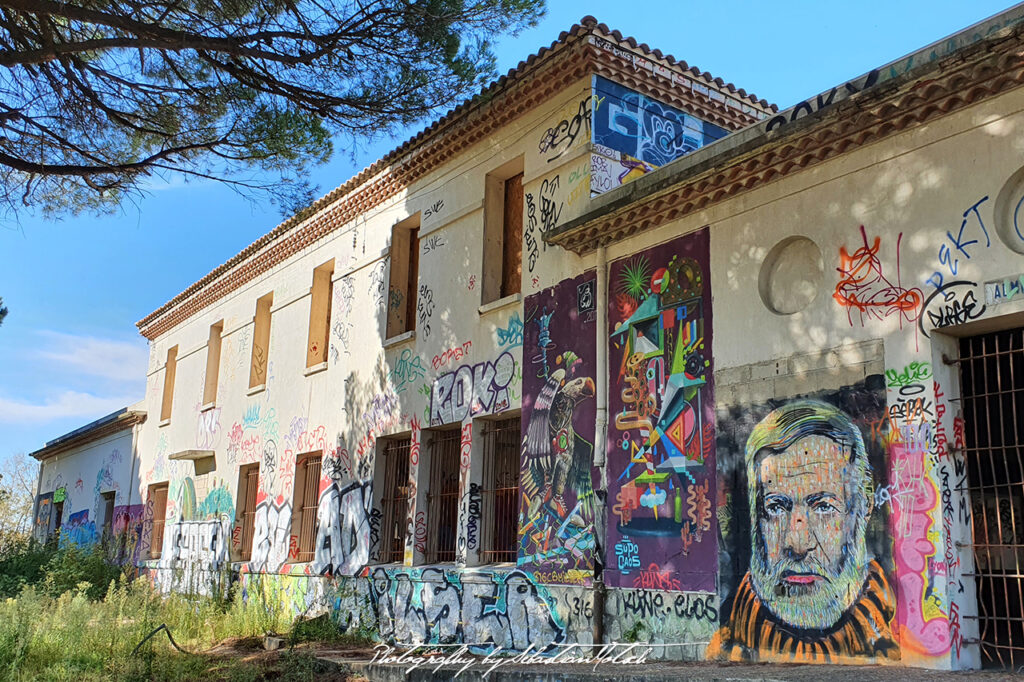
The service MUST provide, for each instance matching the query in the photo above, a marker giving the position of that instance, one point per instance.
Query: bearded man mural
(812, 593)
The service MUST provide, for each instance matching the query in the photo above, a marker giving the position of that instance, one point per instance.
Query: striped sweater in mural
(753, 633)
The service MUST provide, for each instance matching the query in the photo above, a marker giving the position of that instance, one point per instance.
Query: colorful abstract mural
(807, 573)
(661, 433)
(556, 520)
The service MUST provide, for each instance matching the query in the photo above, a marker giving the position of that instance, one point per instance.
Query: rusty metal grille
(443, 496)
(309, 472)
(394, 500)
(158, 493)
(499, 492)
(250, 473)
(992, 379)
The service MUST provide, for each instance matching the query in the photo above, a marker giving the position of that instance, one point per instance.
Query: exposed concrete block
(767, 370)
(732, 375)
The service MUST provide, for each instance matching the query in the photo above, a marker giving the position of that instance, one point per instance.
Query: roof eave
(114, 423)
(740, 162)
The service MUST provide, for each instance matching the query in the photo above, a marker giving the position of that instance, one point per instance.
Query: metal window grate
(394, 500)
(251, 476)
(443, 496)
(992, 384)
(158, 494)
(309, 472)
(500, 491)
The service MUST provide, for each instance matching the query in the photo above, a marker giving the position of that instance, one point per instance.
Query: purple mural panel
(662, 530)
(556, 517)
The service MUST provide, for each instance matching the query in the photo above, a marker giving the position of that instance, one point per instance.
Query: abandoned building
(617, 351)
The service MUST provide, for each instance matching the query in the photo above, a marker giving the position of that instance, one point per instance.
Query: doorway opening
(992, 385)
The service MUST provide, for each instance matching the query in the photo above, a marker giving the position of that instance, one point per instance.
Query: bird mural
(555, 457)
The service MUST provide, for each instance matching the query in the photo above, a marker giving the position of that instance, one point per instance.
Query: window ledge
(256, 389)
(400, 339)
(164, 422)
(513, 299)
(208, 406)
(315, 369)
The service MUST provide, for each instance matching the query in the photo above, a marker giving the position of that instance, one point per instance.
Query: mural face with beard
(813, 591)
(808, 551)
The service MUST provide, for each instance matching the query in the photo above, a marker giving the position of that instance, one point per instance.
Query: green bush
(55, 569)
(22, 563)
(72, 566)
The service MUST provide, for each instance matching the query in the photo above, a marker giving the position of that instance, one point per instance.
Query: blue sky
(69, 349)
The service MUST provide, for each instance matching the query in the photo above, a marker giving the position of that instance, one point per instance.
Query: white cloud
(65, 404)
(111, 359)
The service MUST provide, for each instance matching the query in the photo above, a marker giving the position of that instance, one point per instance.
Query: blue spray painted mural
(650, 132)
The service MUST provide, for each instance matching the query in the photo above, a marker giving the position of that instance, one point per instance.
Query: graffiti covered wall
(486, 609)
(556, 521)
(194, 552)
(661, 459)
(806, 562)
(77, 480)
(635, 134)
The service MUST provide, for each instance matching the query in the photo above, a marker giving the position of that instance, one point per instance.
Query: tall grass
(54, 630)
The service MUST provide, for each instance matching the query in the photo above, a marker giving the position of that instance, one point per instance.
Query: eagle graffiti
(558, 496)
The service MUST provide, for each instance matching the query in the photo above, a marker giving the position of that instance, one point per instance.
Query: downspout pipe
(600, 445)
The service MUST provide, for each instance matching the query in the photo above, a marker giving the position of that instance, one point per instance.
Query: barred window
(499, 492)
(307, 488)
(394, 499)
(443, 496)
(248, 486)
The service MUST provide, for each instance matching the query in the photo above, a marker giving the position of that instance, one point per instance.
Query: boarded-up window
(212, 363)
(260, 341)
(169, 371)
(319, 315)
(248, 487)
(108, 514)
(394, 501)
(405, 262)
(512, 237)
(307, 489)
(158, 498)
(503, 231)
